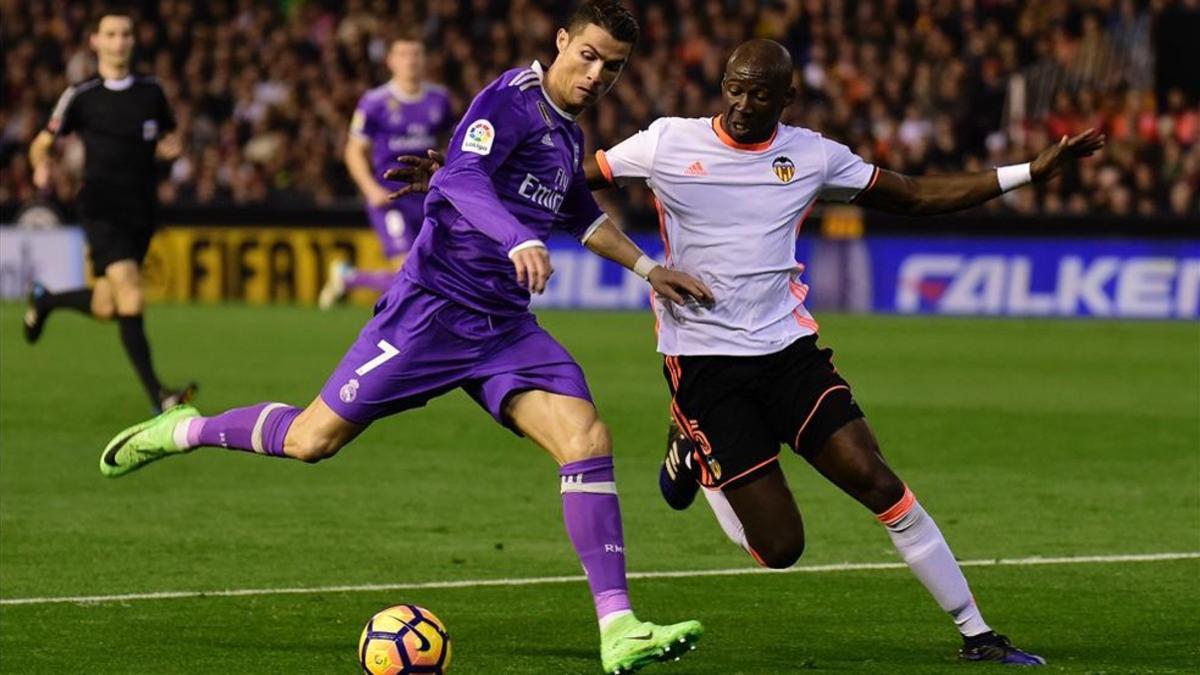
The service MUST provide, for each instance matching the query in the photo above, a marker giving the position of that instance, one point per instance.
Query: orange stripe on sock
(899, 509)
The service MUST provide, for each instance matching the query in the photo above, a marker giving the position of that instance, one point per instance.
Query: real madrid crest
(783, 168)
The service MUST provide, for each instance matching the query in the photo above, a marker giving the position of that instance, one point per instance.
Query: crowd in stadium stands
(263, 92)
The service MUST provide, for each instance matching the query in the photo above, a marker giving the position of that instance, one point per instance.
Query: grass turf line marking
(533, 581)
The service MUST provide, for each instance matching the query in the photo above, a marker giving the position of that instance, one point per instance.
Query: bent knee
(780, 552)
(103, 310)
(591, 441)
(129, 301)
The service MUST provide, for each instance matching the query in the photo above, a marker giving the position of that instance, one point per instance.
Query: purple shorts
(419, 346)
(398, 223)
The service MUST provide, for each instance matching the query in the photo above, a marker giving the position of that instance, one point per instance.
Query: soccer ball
(404, 639)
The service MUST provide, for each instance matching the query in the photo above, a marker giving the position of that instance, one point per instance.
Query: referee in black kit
(125, 122)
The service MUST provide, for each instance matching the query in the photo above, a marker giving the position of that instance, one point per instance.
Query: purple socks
(379, 280)
(260, 428)
(593, 518)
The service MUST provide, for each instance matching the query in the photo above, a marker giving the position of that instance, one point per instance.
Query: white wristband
(1013, 176)
(530, 243)
(644, 266)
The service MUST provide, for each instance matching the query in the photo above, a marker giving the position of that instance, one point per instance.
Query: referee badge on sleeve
(149, 130)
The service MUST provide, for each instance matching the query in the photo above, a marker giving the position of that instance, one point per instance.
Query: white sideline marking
(531, 581)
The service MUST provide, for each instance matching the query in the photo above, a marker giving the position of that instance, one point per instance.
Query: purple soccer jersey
(397, 124)
(459, 319)
(514, 172)
(455, 315)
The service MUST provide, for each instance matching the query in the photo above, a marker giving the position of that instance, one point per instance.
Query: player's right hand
(417, 172)
(679, 287)
(533, 268)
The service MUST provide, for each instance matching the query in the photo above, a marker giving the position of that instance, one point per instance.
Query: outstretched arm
(927, 195)
(607, 241)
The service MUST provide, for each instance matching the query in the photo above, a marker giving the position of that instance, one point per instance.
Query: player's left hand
(417, 172)
(679, 287)
(1051, 161)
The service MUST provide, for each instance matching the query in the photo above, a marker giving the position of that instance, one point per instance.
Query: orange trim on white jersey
(800, 290)
(719, 128)
(605, 169)
(806, 322)
(804, 216)
(870, 184)
(662, 230)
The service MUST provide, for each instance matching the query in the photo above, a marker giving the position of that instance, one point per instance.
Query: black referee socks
(133, 337)
(79, 300)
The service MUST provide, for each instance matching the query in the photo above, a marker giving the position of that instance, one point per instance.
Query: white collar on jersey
(119, 85)
(537, 68)
(400, 95)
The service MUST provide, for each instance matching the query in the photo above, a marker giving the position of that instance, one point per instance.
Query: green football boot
(628, 644)
(143, 443)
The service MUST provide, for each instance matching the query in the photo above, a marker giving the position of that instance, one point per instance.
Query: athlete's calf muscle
(318, 433)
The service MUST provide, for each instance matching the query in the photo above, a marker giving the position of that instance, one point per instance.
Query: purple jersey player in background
(457, 316)
(405, 116)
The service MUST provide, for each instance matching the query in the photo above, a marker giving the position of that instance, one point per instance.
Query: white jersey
(729, 214)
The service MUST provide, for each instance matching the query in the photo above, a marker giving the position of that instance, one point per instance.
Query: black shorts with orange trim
(738, 410)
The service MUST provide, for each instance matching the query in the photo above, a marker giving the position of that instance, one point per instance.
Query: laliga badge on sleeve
(479, 137)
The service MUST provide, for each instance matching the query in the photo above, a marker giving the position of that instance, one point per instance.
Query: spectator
(264, 91)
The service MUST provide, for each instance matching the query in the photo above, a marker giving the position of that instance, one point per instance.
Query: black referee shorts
(738, 410)
(118, 223)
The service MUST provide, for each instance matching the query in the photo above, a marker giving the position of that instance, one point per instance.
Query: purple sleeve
(493, 127)
(361, 124)
(580, 213)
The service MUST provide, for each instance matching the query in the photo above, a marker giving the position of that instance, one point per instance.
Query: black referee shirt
(120, 122)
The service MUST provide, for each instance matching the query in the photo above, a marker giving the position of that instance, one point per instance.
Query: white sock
(612, 616)
(181, 432)
(923, 547)
(728, 519)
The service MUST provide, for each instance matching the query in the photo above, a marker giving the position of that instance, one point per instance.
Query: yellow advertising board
(257, 265)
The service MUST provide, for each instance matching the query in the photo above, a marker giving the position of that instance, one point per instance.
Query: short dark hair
(406, 34)
(119, 10)
(610, 15)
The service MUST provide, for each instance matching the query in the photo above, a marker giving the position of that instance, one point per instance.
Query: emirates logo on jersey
(783, 168)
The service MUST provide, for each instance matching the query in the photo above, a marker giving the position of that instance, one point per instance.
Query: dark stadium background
(264, 90)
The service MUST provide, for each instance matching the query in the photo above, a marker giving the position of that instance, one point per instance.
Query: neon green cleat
(143, 443)
(628, 644)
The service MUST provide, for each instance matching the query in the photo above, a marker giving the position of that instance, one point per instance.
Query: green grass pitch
(1023, 438)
